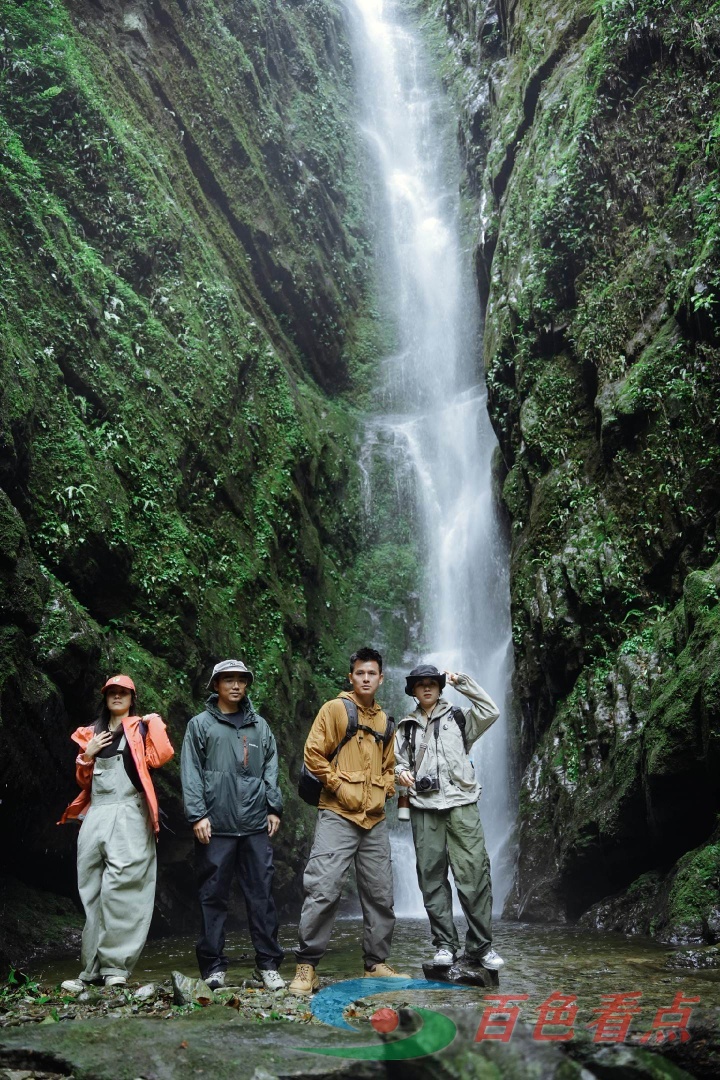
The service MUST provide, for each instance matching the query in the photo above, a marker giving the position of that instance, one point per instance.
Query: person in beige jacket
(351, 825)
(432, 761)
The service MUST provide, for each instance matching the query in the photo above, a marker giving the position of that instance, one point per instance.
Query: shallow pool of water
(539, 961)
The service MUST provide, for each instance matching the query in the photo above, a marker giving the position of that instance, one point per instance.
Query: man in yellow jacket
(351, 825)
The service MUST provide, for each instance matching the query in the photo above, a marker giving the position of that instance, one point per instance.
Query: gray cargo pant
(337, 843)
(456, 837)
(116, 861)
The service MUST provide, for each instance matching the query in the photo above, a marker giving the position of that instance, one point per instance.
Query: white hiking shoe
(271, 979)
(115, 980)
(491, 960)
(443, 958)
(216, 980)
(74, 986)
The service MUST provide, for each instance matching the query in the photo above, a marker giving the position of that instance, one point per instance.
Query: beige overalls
(117, 866)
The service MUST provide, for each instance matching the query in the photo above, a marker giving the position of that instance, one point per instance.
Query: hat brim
(247, 675)
(120, 686)
(410, 683)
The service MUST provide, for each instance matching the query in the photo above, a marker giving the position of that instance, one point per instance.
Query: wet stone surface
(465, 974)
(246, 1032)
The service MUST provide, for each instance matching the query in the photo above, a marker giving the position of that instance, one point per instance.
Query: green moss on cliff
(187, 295)
(591, 139)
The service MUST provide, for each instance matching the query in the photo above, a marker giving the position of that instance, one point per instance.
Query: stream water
(431, 420)
(540, 961)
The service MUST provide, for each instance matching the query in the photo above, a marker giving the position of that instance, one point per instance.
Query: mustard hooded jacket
(360, 779)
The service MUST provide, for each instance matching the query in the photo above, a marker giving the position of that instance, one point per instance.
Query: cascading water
(432, 419)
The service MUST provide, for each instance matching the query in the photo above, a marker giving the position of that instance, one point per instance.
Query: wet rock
(215, 1042)
(705, 958)
(187, 991)
(89, 997)
(630, 1063)
(460, 972)
(227, 995)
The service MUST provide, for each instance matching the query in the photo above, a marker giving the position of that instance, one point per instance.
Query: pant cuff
(312, 960)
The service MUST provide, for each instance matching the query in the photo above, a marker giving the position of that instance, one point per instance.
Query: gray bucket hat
(230, 666)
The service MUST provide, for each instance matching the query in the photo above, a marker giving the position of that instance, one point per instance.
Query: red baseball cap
(119, 680)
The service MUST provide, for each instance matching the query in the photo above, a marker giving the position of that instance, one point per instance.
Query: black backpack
(309, 787)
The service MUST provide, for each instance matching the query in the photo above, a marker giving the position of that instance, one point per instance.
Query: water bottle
(404, 807)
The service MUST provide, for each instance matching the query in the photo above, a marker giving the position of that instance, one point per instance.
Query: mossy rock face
(590, 134)
(188, 299)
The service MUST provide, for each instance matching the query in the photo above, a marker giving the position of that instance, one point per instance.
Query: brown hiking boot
(305, 981)
(384, 971)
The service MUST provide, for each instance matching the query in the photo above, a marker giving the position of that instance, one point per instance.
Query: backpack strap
(410, 742)
(353, 728)
(459, 718)
(389, 730)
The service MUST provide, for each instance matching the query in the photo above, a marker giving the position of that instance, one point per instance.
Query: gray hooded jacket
(230, 774)
(446, 757)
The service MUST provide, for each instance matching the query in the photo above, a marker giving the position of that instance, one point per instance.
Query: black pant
(252, 858)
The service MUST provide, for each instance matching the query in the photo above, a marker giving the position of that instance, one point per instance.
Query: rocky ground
(33, 1003)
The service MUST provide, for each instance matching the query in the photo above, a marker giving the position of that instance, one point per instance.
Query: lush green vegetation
(188, 323)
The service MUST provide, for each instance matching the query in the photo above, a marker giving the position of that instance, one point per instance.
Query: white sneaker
(444, 958)
(115, 980)
(491, 960)
(216, 980)
(271, 979)
(74, 986)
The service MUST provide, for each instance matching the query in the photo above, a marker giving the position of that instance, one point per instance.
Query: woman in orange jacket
(117, 862)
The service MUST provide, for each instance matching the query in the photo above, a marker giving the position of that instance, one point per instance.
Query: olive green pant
(455, 838)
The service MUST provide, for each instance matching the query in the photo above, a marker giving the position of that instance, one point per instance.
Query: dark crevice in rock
(531, 98)
(165, 20)
(35, 1061)
(274, 281)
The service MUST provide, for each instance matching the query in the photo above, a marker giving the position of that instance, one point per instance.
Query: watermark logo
(437, 1030)
(556, 1019)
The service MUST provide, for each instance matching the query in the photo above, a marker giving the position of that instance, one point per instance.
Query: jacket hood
(372, 709)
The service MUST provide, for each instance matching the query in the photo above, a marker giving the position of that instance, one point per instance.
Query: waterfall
(431, 413)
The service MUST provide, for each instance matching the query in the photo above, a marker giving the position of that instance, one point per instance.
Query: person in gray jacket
(229, 769)
(432, 760)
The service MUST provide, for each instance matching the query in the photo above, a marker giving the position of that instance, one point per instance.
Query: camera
(427, 784)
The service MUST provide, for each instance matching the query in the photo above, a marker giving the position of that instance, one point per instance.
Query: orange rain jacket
(361, 778)
(148, 753)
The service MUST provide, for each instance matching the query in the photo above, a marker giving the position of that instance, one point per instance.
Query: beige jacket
(446, 757)
(358, 782)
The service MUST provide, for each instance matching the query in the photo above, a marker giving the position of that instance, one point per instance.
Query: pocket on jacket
(376, 805)
(465, 778)
(221, 800)
(351, 792)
